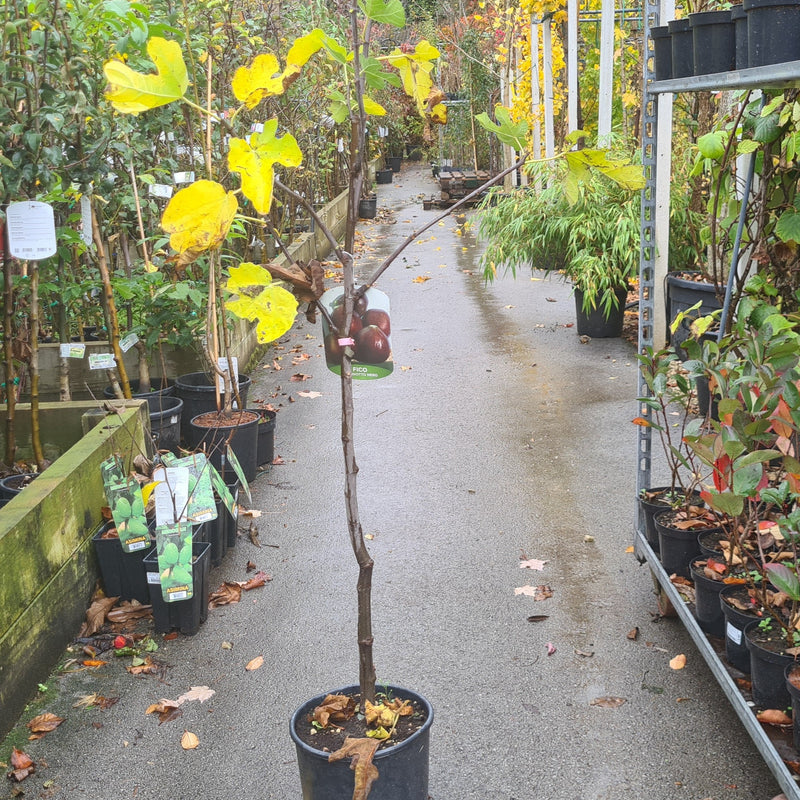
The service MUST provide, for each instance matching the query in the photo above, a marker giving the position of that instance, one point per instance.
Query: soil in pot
(708, 576)
(212, 432)
(768, 663)
(12, 485)
(198, 393)
(402, 765)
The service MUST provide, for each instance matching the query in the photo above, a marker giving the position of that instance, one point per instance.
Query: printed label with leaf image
(201, 506)
(174, 550)
(222, 490)
(239, 472)
(124, 496)
(370, 333)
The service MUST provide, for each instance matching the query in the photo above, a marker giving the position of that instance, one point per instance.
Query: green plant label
(174, 549)
(201, 506)
(112, 472)
(369, 338)
(239, 472)
(171, 495)
(222, 491)
(127, 510)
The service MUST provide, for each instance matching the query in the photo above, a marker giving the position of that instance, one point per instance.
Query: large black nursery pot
(739, 17)
(772, 31)
(384, 176)
(394, 163)
(211, 432)
(677, 546)
(198, 392)
(596, 324)
(368, 207)
(158, 388)
(767, 670)
(662, 52)
(165, 424)
(736, 621)
(682, 48)
(266, 436)
(683, 293)
(713, 41)
(12, 485)
(402, 768)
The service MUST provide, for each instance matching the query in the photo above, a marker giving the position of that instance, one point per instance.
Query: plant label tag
(369, 339)
(86, 219)
(127, 511)
(102, 361)
(127, 342)
(222, 490)
(183, 177)
(174, 549)
(31, 230)
(72, 349)
(222, 363)
(257, 127)
(160, 190)
(171, 494)
(340, 145)
(733, 633)
(239, 472)
(201, 507)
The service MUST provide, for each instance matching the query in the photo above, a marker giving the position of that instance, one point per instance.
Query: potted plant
(591, 231)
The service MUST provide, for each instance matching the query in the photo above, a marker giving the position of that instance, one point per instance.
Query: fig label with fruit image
(370, 333)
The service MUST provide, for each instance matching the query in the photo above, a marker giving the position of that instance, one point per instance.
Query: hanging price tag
(72, 350)
(160, 190)
(127, 342)
(102, 361)
(86, 219)
(31, 230)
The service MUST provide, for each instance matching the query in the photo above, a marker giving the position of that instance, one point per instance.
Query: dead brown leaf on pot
(22, 765)
(773, 716)
(259, 579)
(608, 701)
(96, 616)
(334, 708)
(361, 752)
(129, 610)
(226, 594)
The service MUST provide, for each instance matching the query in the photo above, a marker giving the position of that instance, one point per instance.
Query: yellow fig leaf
(148, 489)
(198, 218)
(438, 114)
(131, 92)
(373, 108)
(301, 50)
(261, 79)
(254, 161)
(415, 71)
(260, 298)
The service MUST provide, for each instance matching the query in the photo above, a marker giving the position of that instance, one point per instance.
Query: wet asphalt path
(499, 436)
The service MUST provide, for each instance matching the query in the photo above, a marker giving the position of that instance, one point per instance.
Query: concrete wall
(47, 565)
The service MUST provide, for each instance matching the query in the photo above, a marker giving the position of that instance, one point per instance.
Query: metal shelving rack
(777, 76)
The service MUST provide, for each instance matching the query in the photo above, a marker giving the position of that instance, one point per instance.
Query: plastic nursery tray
(765, 744)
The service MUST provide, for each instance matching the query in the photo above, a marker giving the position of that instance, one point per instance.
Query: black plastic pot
(384, 176)
(12, 485)
(677, 547)
(153, 396)
(772, 27)
(662, 52)
(767, 671)
(707, 609)
(707, 406)
(185, 615)
(199, 395)
(682, 48)
(165, 424)
(243, 437)
(266, 436)
(368, 207)
(713, 41)
(794, 693)
(683, 293)
(402, 768)
(595, 324)
(735, 622)
(739, 17)
(123, 574)
(394, 163)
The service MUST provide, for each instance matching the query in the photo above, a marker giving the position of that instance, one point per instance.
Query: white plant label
(86, 219)
(183, 177)
(340, 145)
(72, 350)
(102, 361)
(160, 190)
(127, 342)
(171, 494)
(222, 363)
(733, 633)
(257, 127)
(31, 230)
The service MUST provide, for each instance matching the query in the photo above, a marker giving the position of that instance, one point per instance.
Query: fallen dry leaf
(421, 279)
(93, 662)
(532, 563)
(773, 716)
(250, 567)
(148, 667)
(303, 394)
(228, 592)
(536, 592)
(259, 579)
(608, 701)
(201, 693)
(679, 662)
(361, 752)
(551, 648)
(253, 513)
(44, 723)
(96, 616)
(633, 634)
(167, 710)
(189, 741)
(227, 645)
(254, 663)
(22, 765)
(538, 617)
(129, 610)
(299, 377)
